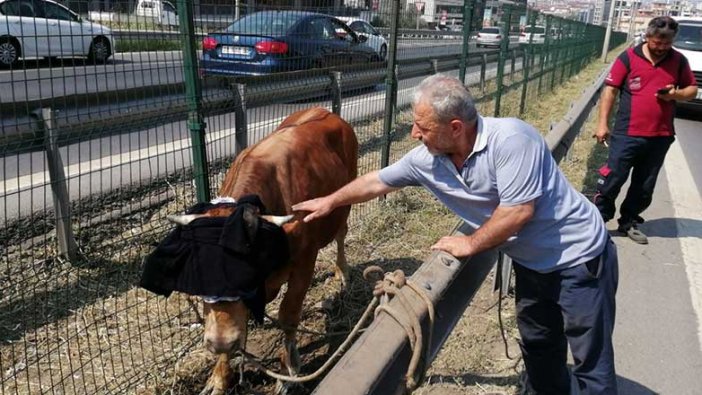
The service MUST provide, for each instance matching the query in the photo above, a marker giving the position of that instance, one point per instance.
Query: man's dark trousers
(645, 155)
(572, 306)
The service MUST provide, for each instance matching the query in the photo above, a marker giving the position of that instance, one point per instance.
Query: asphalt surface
(658, 333)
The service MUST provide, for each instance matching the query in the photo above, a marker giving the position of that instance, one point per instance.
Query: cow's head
(226, 317)
(222, 252)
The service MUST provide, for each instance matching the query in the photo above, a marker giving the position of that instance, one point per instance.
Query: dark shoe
(639, 220)
(634, 233)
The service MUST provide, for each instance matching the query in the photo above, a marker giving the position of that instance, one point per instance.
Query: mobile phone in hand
(663, 91)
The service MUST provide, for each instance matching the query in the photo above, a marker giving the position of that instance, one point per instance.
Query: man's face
(659, 46)
(435, 135)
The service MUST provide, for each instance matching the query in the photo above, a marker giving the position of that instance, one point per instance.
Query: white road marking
(686, 205)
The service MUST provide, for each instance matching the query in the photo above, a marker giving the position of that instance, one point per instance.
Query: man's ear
(457, 127)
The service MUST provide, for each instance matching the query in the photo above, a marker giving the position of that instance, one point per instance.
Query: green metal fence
(125, 111)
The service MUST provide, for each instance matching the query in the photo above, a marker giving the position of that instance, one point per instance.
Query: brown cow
(312, 153)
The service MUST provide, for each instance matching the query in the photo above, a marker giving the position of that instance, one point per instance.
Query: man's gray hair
(663, 27)
(448, 97)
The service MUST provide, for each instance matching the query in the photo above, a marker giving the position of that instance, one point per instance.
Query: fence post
(513, 59)
(543, 56)
(467, 19)
(241, 128)
(336, 91)
(193, 95)
(45, 126)
(528, 54)
(483, 66)
(556, 54)
(390, 85)
(435, 65)
(501, 59)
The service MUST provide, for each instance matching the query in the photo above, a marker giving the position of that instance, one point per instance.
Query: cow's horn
(184, 219)
(277, 219)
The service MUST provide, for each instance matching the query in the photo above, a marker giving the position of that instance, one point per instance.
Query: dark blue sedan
(275, 41)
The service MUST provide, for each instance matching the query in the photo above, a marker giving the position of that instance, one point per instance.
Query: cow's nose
(220, 345)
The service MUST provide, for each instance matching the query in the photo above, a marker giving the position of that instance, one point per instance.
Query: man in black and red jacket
(651, 76)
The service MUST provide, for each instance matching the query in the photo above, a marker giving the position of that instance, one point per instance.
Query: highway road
(44, 79)
(658, 332)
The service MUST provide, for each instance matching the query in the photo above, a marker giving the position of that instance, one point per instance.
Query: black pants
(572, 306)
(645, 156)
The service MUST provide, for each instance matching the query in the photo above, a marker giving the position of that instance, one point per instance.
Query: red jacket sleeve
(617, 73)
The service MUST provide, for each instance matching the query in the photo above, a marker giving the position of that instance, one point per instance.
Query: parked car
(362, 28)
(489, 36)
(46, 29)
(537, 35)
(689, 43)
(275, 41)
(163, 12)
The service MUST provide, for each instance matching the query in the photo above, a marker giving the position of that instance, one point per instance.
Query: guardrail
(376, 364)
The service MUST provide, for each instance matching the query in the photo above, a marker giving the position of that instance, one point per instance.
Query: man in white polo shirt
(499, 177)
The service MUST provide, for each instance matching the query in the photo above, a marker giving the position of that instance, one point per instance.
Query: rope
(386, 285)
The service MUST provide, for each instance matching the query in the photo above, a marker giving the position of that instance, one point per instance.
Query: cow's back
(312, 153)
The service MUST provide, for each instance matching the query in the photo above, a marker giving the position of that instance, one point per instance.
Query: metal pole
(336, 91)
(467, 21)
(608, 33)
(390, 85)
(528, 53)
(193, 94)
(501, 59)
(67, 245)
(543, 56)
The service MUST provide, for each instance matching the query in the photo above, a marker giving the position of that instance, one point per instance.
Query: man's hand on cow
(318, 207)
(458, 246)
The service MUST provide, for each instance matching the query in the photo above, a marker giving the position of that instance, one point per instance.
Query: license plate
(233, 50)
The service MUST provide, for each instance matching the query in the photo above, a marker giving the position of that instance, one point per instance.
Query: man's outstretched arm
(361, 189)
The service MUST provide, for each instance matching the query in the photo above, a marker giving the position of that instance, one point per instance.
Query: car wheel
(9, 51)
(383, 52)
(99, 50)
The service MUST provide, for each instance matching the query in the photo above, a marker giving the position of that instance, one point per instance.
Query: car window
(19, 8)
(357, 26)
(689, 37)
(53, 11)
(490, 31)
(269, 24)
(341, 31)
(321, 29)
(169, 7)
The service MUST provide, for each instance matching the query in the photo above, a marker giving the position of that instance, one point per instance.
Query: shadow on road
(668, 227)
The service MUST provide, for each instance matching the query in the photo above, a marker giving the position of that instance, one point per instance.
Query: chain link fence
(117, 113)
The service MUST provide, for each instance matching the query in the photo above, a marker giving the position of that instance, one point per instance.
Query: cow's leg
(221, 377)
(341, 271)
(291, 310)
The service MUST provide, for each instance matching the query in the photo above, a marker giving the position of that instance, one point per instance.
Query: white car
(689, 43)
(489, 36)
(363, 28)
(46, 29)
(537, 35)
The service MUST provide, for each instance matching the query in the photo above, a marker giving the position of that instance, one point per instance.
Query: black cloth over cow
(219, 256)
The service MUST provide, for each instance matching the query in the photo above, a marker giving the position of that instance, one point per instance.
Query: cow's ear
(251, 221)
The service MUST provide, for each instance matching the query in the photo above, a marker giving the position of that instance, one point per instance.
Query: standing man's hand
(602, 134)
(318, 207)
(671, 95)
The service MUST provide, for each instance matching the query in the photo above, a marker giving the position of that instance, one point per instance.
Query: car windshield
(265, 23)
(535, 29)
(689, 37)
(491, 31)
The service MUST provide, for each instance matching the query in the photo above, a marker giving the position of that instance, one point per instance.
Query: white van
(689, 43)
(162, 11)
